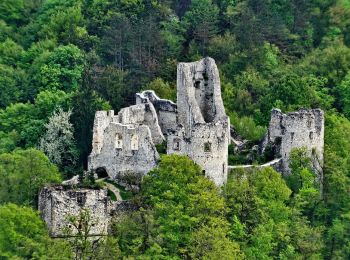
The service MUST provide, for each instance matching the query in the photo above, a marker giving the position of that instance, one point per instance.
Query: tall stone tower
(203, 128)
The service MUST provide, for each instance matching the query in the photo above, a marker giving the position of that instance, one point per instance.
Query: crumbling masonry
(196, 126)
(304, 128)
(203, 129)
(57, 204)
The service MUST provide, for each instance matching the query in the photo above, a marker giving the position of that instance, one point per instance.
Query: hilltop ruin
(196, 126)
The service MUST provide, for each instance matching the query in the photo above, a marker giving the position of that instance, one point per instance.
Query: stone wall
(203, 131)
(166, 109)
(207, 146)
(196, 126)
(143, 114)
(126, 148)
(199, 93)
(198, 121)
(304, 128)
(57, 203)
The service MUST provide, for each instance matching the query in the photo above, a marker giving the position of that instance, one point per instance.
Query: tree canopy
(60, 57)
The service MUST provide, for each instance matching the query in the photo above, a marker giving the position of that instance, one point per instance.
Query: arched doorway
(101, 173)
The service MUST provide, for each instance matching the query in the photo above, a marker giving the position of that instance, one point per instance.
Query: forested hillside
(61, 60)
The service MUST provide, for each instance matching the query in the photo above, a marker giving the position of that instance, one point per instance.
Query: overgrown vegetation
(61, 60)
(125, 194)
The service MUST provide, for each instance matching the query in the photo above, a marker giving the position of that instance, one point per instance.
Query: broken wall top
(149, 96)
(199, 93)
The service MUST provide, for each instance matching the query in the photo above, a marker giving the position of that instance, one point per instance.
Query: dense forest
(61, 60)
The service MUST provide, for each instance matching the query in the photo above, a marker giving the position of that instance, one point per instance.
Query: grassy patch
(111, 195)
(123, 193)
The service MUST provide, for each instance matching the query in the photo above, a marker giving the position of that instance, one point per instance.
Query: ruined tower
(203, 128)
(303, 128)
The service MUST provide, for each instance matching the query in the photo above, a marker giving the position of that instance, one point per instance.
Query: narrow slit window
(81, 198)
(311, 136)
(197, 84)
(207, 147)
(309, 123)
(176, 145)
(118, 141)
(134, 142)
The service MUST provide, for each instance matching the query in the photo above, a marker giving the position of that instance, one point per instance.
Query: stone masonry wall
(142, 114)
(207, 147)
(203, 131)
(166, 109)
(304, 128)
(56, 204)
(127, 148)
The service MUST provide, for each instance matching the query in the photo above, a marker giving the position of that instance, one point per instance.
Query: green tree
(338, 238)
(301, 172)
(202, 22)
(112, 85)
(63, 70)
(184, 205)
(23, 235)
(11, 85)
(28, 120)
(23, 173)
(336, 168)
(12, 11)
(343, 90)
(81, 242)
(162, 89)
(263, 221)
(86, 102)
(10, 53)
(58, 141)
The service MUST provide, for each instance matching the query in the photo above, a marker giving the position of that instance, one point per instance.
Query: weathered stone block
(304, 128)
(58, 203)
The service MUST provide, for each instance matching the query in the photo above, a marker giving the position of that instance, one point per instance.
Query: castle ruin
(125, 142)
(203, 128)
(196, 126)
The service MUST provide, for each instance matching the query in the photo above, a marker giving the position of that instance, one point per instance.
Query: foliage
(247, 127)
(301, 172)
(83, 245)
(22, 232)
(262, 220)
(162, 89)
(125, 194)
(23, 235)
(58, 141)
(23, 173)
(185, 215)
(63, 69)
(84, 56)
